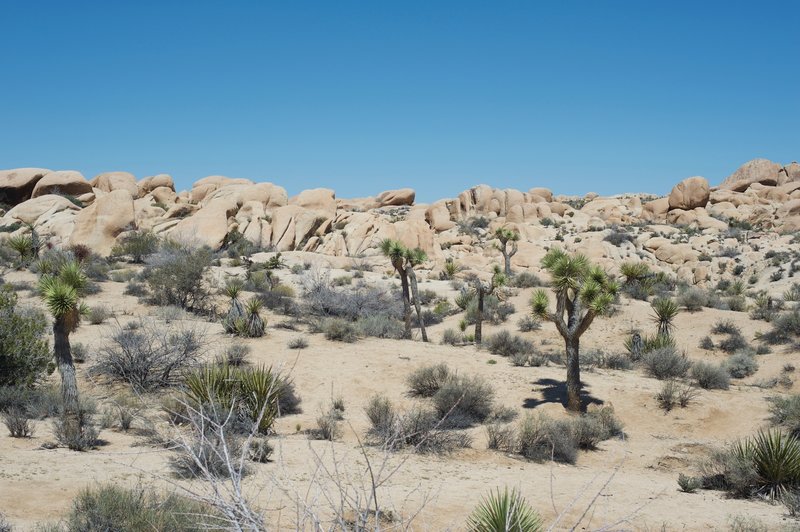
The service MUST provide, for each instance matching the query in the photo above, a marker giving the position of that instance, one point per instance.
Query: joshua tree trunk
(406, 303)
(479, 318)
(574, 384)
(69, 382)
(507, 261)
(415, 291)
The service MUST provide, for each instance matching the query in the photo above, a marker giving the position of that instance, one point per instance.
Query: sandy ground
(626, 484)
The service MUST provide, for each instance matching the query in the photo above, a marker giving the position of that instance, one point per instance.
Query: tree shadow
(556, 392)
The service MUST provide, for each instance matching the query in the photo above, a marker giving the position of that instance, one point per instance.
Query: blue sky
(604, 96)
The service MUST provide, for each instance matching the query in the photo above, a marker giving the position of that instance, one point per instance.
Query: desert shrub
(5, 526)
(733, 343)
(767, 464)
(785, 412)
(329, 425)
(382, 326)
(260, 450)
(541, 438)
(99, 314)
(24, 351)
(175, 276)
(706, 343)
(111, 507)
(675, 393)
(135, 288)
(463, 401)
(427, 380)
(236, 354)
(741, 364)
(766, 308)
(298, 343)
(791, 501)
(79, 352)
(736, 303)
(726, 327)
(528, 323)
(380, 412)
(710, 377)
(600, 359)
(452, 337)
(693, 299)
(342, 280)
(350, 303)
(666, 363)
(525, 280)
(138, 245)
(785, 328)
(18, 422)
(253, 394)
(154, 355)
(505, 344)
(617, 237)
(87, 436)
(339, 330)
(494, 310)
(504, 511)
(728, 252)
(689, 484)
(501, 437)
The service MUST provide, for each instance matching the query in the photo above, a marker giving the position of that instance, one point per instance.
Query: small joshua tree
(481, 291)
(583, 291)
(403, 261)
(61, 292)
(506, 236)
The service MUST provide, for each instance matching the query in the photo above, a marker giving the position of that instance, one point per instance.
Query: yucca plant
(61, 292)
(236, 311)
(255, 324)
(450, 269)
(505, 511)
(583, 291)
(212, 385)
(634, 272)
(260, 390)
(23, 245)
(664, 312)
(776, 459)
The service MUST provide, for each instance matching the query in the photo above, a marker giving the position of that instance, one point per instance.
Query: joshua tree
(665, 310)
(583, 291)
(505, 236)
(61, 292)
(236, 312)
(403, 261)
(481, 291)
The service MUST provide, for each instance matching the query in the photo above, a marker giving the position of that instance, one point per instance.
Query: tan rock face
(44, 206)
(655, 210)
(438, 217)
(209, 225)
(320, 200)
(17, 185)
(150, 183)
(62, 182)
(293, 225)
(98, 225)
(761, 171)
(403, 196)
(689, 194)
(116, 181)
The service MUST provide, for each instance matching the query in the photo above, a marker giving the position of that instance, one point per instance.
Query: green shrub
(504, 512)
(528, 323)
(339, 330)
(689, 484)
(525, 280)
(494, 310)
(464, 401)
(427, 380)
(710, 377)
(175, 277)
(666, 363)
(505, 344)
(382, 326)
(675, 393)
(741, 365)
(24, 350)
(693, 299)
(706, 343)
(733, 343)
(112, 507)
(137, 245)
(99, 314)
(726, 327)
(452, 337)
(786, 412)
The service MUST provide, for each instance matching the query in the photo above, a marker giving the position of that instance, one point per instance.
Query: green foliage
(505, 511)
(138, 245)
(464, 401)
(111, 507)
(741, 365)
(339, 330)
(175, 276)
(24, 351)
(710, 377)
(505, 344)
(666, 363)
(664, 312)
(775, 457)
(785, 412)
(427, 380)
(675, 393)
(689, 484)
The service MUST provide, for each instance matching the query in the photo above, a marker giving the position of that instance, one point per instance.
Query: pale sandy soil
(631, 483)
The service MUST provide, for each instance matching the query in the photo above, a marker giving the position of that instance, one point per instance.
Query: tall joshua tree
(61, 292)
(506, 236)
(403, 261)
(481, 291)
(583, 291)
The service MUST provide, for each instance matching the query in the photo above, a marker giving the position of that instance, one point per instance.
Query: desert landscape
(230, 357)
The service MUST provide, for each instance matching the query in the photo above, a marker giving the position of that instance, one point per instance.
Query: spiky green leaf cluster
(575, 278)
(505, 511)
(775, 457)
(400, 255)
(62, 290)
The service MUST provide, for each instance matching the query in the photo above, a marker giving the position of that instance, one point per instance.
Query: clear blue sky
(602, 96)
